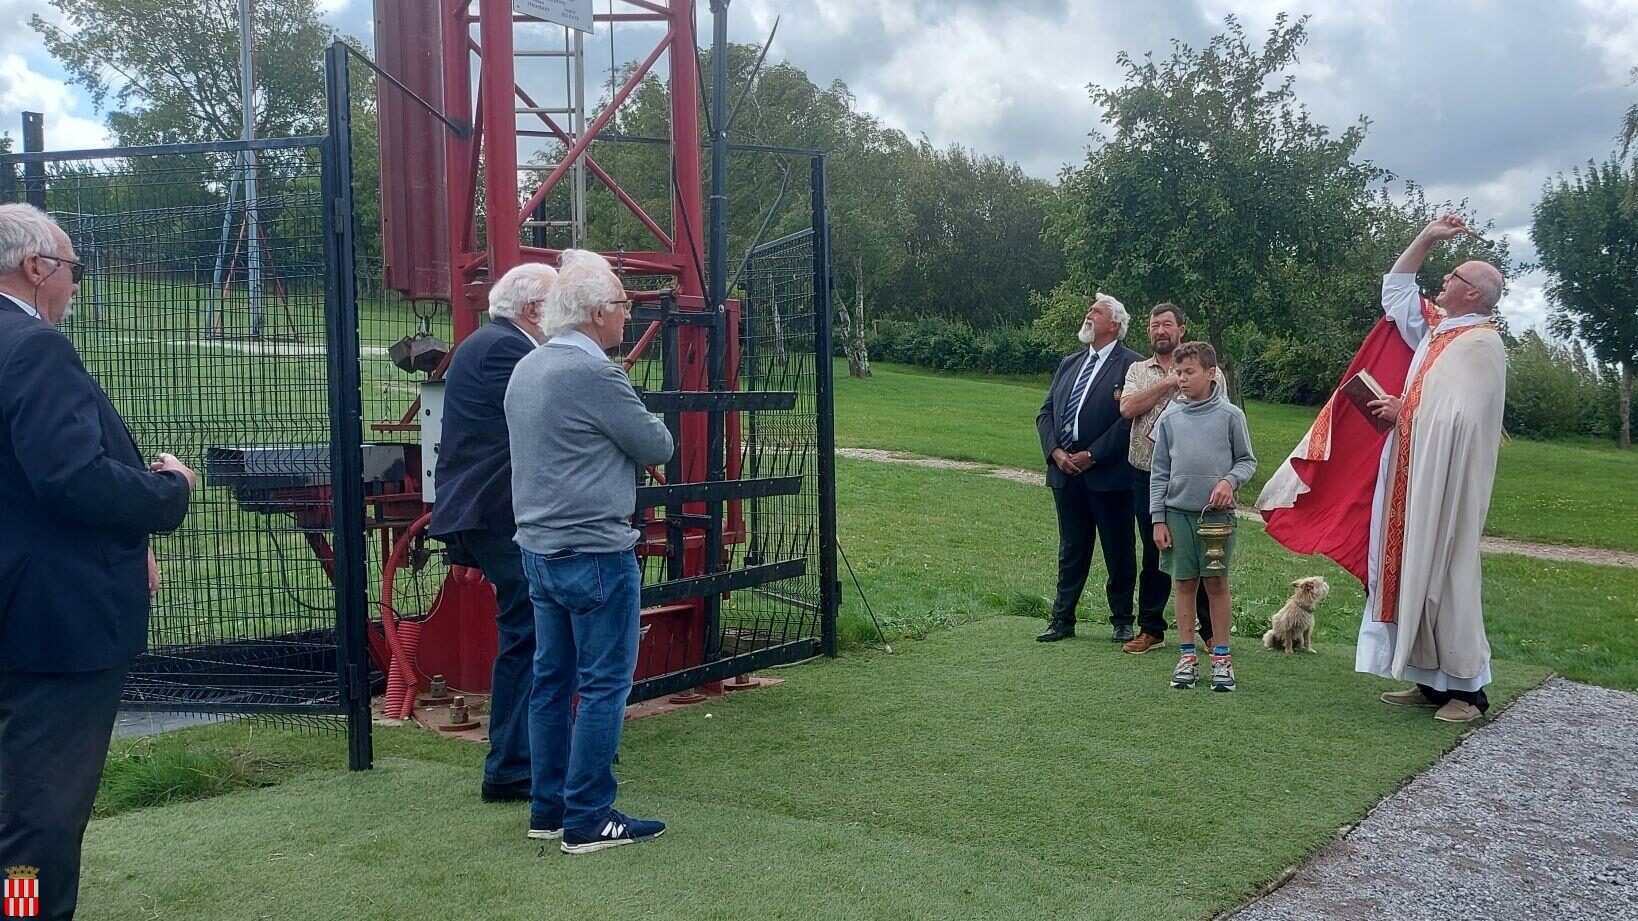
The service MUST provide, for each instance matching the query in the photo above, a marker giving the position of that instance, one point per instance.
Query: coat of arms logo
(22, 892)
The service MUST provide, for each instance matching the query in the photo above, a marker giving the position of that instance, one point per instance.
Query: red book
(1361, 389)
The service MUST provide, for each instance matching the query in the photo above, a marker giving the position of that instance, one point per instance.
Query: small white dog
(1293, 625)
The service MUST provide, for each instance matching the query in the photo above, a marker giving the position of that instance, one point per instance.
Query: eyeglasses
(621, 305)
(76, 270)
(1458, 275)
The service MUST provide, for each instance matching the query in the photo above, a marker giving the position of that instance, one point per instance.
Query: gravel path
(1554, 552)
(1534, 817)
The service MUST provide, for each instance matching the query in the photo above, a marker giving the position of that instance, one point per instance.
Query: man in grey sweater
(1202, 457)
(580, 435)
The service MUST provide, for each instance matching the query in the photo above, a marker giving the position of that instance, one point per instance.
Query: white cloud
(1525, 303)
(1506, 198)
(14, 19)
(22, 89)
(1613, 31)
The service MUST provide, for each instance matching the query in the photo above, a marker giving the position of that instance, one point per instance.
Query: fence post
(346, 413)
(34, 190)
(830, 586)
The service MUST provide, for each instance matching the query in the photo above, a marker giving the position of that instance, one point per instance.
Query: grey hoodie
(1197, 444)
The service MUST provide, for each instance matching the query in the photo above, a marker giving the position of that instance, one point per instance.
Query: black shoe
(1123, 634)
(1058, 630)
(514, 792)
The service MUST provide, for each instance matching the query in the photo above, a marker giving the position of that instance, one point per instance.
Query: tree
(1217, 190)
(971, 233)
(1629, 123)
(167, 71)
(1587, 241)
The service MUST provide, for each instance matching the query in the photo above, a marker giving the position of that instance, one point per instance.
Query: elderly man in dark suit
(75, 570)
(1085, 440)
(473, 514)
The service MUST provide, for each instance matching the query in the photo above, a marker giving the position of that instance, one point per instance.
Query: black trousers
(54, 730)
(1154, 586)
(1085, 516)
(514, 674)
(1476, 698)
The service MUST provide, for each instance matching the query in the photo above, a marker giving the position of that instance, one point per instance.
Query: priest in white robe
(1424, 621)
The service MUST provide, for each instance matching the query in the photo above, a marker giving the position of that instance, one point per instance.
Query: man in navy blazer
(1085, 441)
(75, 570)
(473, 514)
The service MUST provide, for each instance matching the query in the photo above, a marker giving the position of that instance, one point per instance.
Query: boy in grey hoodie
(1202, 457)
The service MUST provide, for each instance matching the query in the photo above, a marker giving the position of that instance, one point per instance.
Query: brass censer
(1215, 535)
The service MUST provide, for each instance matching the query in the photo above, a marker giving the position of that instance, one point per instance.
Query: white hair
(24, 231)
(584, 283)
(1117, 311)
(523, 285)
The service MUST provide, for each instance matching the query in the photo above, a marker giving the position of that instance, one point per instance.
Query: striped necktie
(1067, 436)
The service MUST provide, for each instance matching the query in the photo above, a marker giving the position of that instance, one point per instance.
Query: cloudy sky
(1476, 99)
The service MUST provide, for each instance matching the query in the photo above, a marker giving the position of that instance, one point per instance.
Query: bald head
(1472, 287)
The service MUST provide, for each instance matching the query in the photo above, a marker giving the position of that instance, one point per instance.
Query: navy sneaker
(545, 828)
(616, 830)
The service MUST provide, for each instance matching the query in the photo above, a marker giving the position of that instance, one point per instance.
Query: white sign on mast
(575, 14)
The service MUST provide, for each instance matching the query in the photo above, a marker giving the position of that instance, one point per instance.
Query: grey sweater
(579, 433)
(1197, 444)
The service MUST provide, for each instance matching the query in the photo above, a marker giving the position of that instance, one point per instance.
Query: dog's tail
(1268, 640)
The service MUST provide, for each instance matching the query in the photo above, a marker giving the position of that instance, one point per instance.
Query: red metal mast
(480, 198)
(504, 204)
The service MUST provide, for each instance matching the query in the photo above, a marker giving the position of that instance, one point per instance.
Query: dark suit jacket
(1103, 431)
(474, 472)
(77, 504)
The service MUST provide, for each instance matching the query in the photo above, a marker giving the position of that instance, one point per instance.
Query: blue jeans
(586, 613)
(502, 564)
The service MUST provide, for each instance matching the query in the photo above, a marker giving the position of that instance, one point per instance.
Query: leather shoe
(1058, 630)
(1457, 711)
(1143, 643)
(516, 791)
(1123, 635)
(1409, 697)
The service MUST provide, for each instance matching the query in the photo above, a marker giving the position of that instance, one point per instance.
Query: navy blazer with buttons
(474, 470)
(77, 504)
(1104, 432)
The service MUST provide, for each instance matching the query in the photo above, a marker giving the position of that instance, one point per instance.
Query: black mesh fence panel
(202, 315)
(778, 354)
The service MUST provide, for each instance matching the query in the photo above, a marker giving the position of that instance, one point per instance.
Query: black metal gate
(763, 516)
(242, 361)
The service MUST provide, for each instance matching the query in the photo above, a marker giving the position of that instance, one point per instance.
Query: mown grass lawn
(1577, 493)
(976, 774)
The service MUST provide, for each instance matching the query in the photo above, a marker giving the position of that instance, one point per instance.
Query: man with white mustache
(1085, 440)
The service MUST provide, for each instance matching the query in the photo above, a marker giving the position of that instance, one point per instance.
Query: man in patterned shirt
(1149, 387)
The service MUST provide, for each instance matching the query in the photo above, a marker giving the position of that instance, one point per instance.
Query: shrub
(954, 346)
(1554, 392)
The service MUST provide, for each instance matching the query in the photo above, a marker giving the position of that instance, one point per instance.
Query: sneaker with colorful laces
(1187, 672)
(1222, 673)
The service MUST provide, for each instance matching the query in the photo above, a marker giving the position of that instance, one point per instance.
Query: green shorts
(1187, 558)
